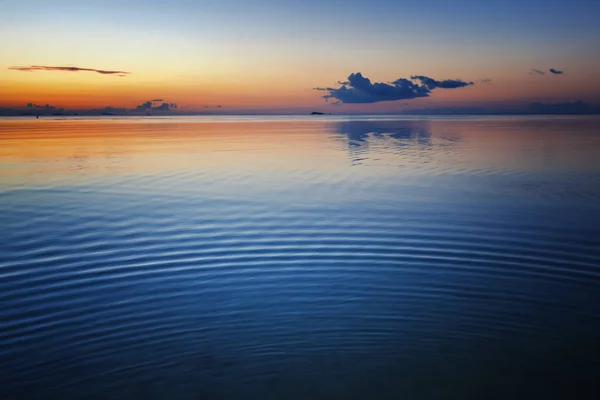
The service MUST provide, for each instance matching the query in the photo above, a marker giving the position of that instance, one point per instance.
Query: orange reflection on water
(59, 148)
(62, 149)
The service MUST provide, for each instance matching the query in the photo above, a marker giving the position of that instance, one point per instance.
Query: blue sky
(267, 53)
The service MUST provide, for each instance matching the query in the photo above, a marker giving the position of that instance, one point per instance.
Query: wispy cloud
(536, 72)
(431, 83)
(553, 71)
(359, 89)
(32, 68)
(485, 80)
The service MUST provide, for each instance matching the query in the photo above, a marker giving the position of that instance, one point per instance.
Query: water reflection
(386, 137)
(405, 132)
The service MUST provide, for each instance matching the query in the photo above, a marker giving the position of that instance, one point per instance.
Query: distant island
(567, 108)
(577, 107)
(574, 108)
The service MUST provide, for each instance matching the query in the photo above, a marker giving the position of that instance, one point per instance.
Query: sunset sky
(270, 55)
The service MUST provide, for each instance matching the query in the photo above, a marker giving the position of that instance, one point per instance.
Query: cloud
(431, 83)
(553, 71)
(359, 90)
(148, 105)
(156, 100)
(45, 107)
(536, 72)
(144, 106)
(485, 80)
(162, 107)
(31, 68)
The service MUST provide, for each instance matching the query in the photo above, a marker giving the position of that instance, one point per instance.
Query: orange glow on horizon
(85, 90)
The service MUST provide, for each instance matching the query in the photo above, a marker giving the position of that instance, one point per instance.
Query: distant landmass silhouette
(568, 108)
(577, 107)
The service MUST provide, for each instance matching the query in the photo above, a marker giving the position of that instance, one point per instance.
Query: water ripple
(333, 259)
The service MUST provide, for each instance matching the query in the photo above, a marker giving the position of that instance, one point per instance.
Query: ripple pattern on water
(282, 277)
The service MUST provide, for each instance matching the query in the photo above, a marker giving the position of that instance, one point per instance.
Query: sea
(300, 257)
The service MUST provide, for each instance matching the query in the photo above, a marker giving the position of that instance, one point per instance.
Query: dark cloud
(162, 107)
(148, 105)
(431, 83)
(359, 90)
(536, 72)
(144, 106)
(555, 71)
(485, 80)
(45, 107)
(156, 100)
(31, 68)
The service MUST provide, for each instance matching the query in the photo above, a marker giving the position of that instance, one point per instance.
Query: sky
(298, 55)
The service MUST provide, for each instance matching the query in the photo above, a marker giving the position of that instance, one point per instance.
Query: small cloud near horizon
(359, 89)
(45, 107)
(32, 68)
(536, 72)
(553, 71)
(149, 105)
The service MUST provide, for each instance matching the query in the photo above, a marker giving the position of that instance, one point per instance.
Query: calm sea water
(300, 258)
